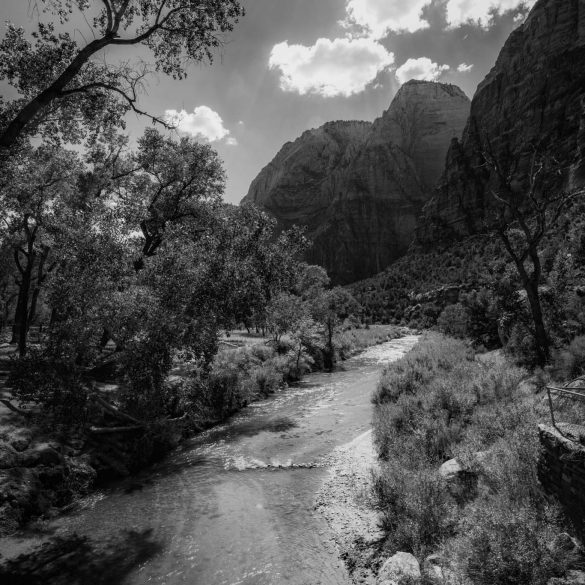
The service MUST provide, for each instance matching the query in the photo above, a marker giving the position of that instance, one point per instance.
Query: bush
(454, 321)
(503, 544)
(569, 363)
(54, 386)
(439, 403)
(521, 346)
(418, 512)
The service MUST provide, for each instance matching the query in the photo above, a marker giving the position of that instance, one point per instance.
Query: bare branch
(131, 100)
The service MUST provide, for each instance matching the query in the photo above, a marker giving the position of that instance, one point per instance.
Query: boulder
(564, 543)
(40, 454)
(400, 565)
(576, 577)
(451, 470)
(432, 567)
(571, 578)
(20, 439)
(8, 456)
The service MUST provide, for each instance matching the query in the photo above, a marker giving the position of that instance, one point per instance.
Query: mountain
(534, 96)
(359, 187)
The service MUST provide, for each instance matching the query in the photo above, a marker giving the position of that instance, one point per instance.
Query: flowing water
(235, 506)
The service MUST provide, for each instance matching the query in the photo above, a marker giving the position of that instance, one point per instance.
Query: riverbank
(344, 500)
(235, 504)
(40, 475)
(457, 485)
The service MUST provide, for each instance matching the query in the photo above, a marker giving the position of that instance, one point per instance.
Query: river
(235, 506)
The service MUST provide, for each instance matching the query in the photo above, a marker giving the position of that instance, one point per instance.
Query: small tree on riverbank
(330, 309)
(524, 214)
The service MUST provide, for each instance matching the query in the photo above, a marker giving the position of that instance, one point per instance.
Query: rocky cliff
(359, 187)
(534, 96)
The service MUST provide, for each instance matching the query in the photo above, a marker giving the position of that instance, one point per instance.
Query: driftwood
(115, 411)
(113, 430)
(15, 409)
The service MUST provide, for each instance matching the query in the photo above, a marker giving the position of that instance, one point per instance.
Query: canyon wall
(359, 187)
(534, 97)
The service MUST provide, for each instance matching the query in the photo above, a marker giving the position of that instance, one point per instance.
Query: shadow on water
(77, 560)
(254, 427)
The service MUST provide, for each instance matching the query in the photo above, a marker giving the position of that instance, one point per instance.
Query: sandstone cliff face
(359, 187)
(535, 95)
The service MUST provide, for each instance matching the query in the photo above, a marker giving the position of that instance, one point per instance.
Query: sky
(292, 65)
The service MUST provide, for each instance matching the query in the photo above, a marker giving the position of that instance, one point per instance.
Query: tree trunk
(330, 350)
(14, 129)
(21, 316)
(37, 289)
(540, 334)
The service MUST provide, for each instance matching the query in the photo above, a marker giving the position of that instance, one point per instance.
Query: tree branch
(131, 100)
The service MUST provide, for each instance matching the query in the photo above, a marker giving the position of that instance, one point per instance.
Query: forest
(123, 271)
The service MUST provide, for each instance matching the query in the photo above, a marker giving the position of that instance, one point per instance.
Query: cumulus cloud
(423, 69)
(380, 16)
(202, 122)
(339, 67)
(460, 12)
(464, 68)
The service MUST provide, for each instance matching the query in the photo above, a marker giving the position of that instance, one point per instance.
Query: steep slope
(535, 95)
(359, 187)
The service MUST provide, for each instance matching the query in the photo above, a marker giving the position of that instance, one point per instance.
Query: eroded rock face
(535, 95)
(359, 187)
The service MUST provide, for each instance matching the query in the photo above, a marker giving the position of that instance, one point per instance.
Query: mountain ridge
(358, 187)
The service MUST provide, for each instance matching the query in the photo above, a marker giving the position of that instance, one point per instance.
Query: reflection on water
(235, 506)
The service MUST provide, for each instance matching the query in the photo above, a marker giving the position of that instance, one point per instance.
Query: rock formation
(359, 187)
(534, 96)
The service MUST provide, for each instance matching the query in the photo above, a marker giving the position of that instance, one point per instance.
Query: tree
(330, 309)
(65, 89)
(173, 182)
(525, 213)
(283, 313)
(39, 182)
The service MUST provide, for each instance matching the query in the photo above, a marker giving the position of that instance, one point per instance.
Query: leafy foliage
(66, 93)
(492, 522)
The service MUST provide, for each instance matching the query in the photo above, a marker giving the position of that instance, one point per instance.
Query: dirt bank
(344, 501)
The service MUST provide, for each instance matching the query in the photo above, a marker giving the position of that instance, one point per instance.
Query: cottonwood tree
(525, 212)
(39, 182)
(71, 91)
(174, 181)
(330, 309)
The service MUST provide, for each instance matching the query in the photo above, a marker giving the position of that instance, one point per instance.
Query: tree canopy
(71, 92)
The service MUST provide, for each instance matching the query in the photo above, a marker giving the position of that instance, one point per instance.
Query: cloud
(460, 12)
(203, 122)
(339, 67)
(464, 68)
(422, 69)
(380, 16)
(231, 141)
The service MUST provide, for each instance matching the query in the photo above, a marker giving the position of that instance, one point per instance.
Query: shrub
(501, 544)
(439, 403)
(454, 321)
(521, 346)
(53, 385)
(569, 363)
(418, 512)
